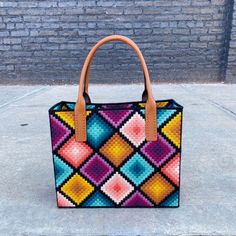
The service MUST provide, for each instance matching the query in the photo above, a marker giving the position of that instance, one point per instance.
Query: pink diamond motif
(63, 201)
(75, 152)
(134, 129)
(171, 169)
(117, 188)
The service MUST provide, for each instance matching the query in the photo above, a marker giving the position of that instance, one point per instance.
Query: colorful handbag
(116, 154)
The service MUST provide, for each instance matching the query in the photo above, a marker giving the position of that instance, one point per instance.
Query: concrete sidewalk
(208, 191)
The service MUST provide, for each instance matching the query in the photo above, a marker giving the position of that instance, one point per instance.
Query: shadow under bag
(116, 154)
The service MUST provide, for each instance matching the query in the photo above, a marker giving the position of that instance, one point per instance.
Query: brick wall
(182, 40)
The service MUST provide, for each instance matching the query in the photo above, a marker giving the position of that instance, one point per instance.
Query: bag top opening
(161, 104)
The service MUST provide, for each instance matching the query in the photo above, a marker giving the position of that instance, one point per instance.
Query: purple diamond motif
(96, 169)
(158, 151)
(115, 117)
(137, 200)
(59, 132)
(120, 106)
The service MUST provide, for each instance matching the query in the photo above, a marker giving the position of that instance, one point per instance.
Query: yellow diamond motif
(161, 104)
(158, 104)
(172, 129)
(77, 188)
(67, 117)
(116, 149)
(157, 188)
(88, 113)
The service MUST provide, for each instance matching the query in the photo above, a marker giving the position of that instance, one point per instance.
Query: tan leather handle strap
(80, 108)
(86, 92)
(87, 80)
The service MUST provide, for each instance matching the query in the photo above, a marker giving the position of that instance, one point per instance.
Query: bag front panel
(116, 167)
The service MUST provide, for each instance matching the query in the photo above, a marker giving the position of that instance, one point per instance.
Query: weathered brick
(47, 4)
(4, 47)
(27, 4)
(49, 32)
(201, 2)
(199, 31)
(16, 47)
(70, 46)
(2, 26)
(114, 11)
(12, 19)
(102, 3)
(11, 40)
(191, 10)
(143, 3)
(52, 18)
(67, 4)
(19, 26)
(181, 3)
(74, 11)
(4, 33)
(181, 31)
(32, 18)
(151, 11)
(208, 38)
(132, 11)
(8, 4)
(90, 3)
(198, 45)
(218, 2)
(3, 12)
(143, 31)
(19, 33)
(33, 25)
(50, 46)
(95, 11)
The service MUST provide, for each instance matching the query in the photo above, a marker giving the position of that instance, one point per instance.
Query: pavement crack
(229, 112)
(222, 107)
(29, 94)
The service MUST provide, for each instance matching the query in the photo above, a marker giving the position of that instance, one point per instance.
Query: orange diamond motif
(77, 188)
(157, 188)
(116, 149)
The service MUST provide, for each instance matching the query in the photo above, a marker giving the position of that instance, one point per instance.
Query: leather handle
(80, 107)
(87, 81)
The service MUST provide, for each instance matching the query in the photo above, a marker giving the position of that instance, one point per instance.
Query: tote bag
(116, 154)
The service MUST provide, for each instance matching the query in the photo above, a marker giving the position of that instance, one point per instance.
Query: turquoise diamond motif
(98, 200)
(172, 200)
(62, 170)
(90, 106)
(71, 105)
(56, 108)
(163, 115)
(97, 131)
(137, 169)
